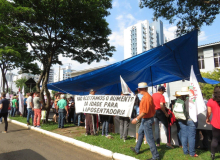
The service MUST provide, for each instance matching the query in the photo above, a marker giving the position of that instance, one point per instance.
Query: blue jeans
(188, 136)
(61, 120)
(13, 111)
(30, 113)
(105, 127)
(79, 117)
(146, 129)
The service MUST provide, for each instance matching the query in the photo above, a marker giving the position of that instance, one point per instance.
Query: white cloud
(202, 36)
(115, 3)
(169, 32)
(123, 21)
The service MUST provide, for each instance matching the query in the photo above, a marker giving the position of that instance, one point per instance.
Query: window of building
(217, 59)
(201, 62)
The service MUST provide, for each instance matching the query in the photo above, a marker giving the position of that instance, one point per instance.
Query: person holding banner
(214, 109)
(91, 120)
(147, 111)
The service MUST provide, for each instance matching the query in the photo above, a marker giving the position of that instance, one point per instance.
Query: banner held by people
(105, 104)
(196, 102)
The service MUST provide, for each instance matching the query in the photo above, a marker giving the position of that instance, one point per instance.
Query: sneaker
(4, 131)
(102, 134)
(38, 126)
(0, 122)
(133, 149)
(145, 142)
(136, 141)
(28, 124)
(86, 134)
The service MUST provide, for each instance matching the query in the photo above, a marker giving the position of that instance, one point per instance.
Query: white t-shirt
(29, 99)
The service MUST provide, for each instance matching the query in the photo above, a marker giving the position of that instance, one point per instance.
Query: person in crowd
(213, 107)
(176, 122)
(91, 120)
(30, 108)
(25, 106)
(124, 126)
(4, 105)
(71, 110)
(61, 108)
(105, 124)
(205, 143)
(146, 113)
(161, 115)
(137, 103)
(111, 124)
(37, 109)
(0, 112)
(187, 125)
(57, 98)
(14, 106)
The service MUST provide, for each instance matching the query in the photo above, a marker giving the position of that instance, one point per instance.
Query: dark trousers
(205, 138)
(90, 128)
(25, 111)
(71, 115)
(160, 116)
(178, 133)
(215, 139)
(5, 115)
(61, 119)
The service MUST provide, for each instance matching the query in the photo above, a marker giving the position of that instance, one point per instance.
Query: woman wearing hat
(187, 125)
(214, 109)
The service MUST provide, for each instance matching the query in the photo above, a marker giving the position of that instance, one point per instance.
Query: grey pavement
(23, 144)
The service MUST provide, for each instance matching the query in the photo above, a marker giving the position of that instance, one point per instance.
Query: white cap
(62, 96)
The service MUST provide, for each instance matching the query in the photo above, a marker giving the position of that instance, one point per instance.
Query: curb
(92, 148)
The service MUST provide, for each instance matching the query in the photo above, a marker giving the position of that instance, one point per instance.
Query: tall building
(142, 36)
(63, 73)
(51, 76)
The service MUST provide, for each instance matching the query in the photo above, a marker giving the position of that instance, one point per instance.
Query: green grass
(119, 146)
(50, 126)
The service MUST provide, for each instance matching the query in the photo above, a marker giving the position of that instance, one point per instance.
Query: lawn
(50, 126)
(117, 145)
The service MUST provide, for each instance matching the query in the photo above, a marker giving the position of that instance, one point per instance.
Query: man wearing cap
(146, 112)
(90, 119)
(161, 115)
(61, 107)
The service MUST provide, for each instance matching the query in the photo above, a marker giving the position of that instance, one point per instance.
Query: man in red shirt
(147, 111)
(161, 115)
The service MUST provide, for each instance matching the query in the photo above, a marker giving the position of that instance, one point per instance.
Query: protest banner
(105, 104)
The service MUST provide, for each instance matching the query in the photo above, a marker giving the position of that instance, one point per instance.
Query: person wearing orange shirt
(146, 112)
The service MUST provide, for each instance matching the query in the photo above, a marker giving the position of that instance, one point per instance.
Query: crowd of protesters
(148, 110)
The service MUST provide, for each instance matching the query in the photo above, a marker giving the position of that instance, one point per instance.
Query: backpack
(179, 109)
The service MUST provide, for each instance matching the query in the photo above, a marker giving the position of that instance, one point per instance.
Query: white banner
(21, 103)
(196, 102)
(105, 104)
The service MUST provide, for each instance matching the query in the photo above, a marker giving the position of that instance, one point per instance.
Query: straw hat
(176, 95)
(142, 85)
(184, 91)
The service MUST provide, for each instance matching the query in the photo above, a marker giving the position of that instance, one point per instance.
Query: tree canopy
(207, 89)
(76, 29)
(188, 15)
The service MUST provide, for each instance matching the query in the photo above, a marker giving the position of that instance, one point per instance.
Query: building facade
(143, 36)
(63, 73)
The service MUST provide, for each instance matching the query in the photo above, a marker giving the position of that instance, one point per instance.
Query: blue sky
(125, 13)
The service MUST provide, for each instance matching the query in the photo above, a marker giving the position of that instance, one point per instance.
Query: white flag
(196, 102)
(21, 102)
(124, 87)
(23, 91)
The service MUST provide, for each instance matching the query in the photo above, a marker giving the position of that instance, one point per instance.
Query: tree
(13, 48)
(21, 82)
(207, 89)
(76, 29)
(189, 15)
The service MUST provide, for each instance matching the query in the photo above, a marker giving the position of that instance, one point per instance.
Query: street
(23, 144)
